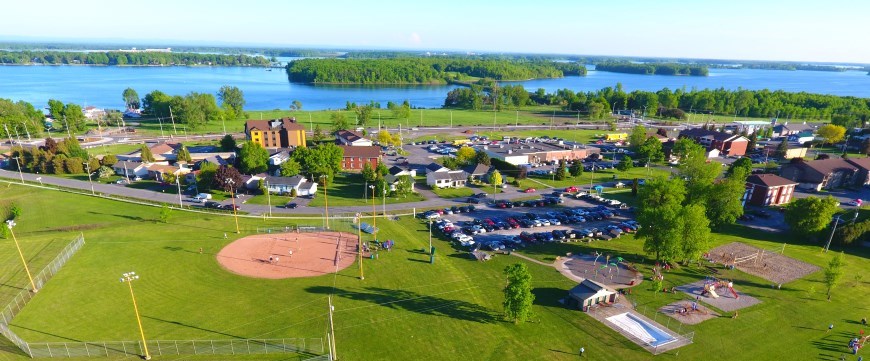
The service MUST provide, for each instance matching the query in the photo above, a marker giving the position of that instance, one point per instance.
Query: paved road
(254, 209)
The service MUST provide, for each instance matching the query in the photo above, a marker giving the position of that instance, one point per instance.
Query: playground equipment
(712, 283)
(710, 289)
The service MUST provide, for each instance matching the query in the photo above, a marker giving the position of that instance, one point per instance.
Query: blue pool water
(660, 336)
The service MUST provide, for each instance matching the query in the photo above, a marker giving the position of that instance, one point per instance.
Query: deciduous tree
(465, 155)
(625, 164)
(290, 167)
(253, 158)
(834, 272)
(518, 297)
(482, 158)
(831, 133)
(339, 122)
(228, 143)
(227, 178)
(660, 202)
(806, 216)
(368, 173)
(637, 137)
(495, 178)
(131, 98)
(232, 101)
(145, 154)
(694, 232)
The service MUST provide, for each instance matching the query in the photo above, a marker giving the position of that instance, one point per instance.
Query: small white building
(447, 179)
(285, 185)
(589, 293)
(130, 169)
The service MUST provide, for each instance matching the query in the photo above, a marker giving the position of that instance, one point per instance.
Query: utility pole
(331, 335)
(28, 130)
(178, 183)
(8, 135)
(18, 163)
(269, 198)
(160, 121)
(172, 117)
(827, 245)
(325, 200)
(65, 124)
(359, 244)
(233, 197)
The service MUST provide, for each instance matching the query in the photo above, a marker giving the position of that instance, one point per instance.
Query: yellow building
(615, 137)
(278, 133)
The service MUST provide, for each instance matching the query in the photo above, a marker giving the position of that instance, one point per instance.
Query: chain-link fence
(304, 346)
(19, 301)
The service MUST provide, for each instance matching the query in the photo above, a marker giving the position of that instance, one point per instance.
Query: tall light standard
(430, 235)
(232, 184)
(359, 247)
(18, 163)
(9, 224)
(178, 183)
(128, 278)
(827, 245)
(325, 177)
(269, 198)
(374, 214)
(384, 200)
(90, 178)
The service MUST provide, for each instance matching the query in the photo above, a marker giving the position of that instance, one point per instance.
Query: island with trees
(434, 70)
(128, 58)
(653, 68)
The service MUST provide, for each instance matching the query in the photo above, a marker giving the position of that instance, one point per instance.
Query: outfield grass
(347, 190)
(404, 309)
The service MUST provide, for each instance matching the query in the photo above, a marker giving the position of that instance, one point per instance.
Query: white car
(538, 223)
(545, 222)
(555, 222)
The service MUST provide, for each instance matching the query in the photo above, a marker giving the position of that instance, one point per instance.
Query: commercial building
(277, 133)
(768, 190)
(820, 174)
(539, 152)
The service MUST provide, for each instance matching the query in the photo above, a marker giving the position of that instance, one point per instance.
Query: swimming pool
(641, 329)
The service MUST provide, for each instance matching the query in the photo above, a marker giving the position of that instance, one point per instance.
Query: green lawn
(405, 308)
(453, 192)
(114, 149)
(584, 179)
(347, 190)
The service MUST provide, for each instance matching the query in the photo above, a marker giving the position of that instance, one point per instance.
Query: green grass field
(453, 192)
(347, 190)
(405, 308)
(584, 179)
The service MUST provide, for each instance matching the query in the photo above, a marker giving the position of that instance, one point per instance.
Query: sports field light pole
(269, 198)
(827, 245)
(325, 177)
(18, 163)
(90, 179)
(359, 244)
(374, 212)
(232, 184)
(128, 278)
(178, 183)
(9, 224)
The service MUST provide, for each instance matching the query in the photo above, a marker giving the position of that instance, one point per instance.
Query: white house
(284, 185)
(156, 171)
(589, 293)
(435, 168)
(393, 181)
(447, 179)
(352, 138)
(130, 169)
(399, 171)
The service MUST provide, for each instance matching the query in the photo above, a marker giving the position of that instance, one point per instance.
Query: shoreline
(148, 66)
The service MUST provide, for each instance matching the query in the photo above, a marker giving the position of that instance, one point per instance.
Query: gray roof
(586, 289)
(396, 170)
(291, 181)
(389, 178)
(796, 127)
(306, 186)
(434, 166)
(452, 175)
(478, 169)
(128, 165)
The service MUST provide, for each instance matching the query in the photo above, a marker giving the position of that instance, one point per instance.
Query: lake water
(265, 90)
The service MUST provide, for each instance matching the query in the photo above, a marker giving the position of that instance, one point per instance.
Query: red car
(530, 190)
(571, 189)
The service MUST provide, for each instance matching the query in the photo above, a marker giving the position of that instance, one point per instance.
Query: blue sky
(826, 31)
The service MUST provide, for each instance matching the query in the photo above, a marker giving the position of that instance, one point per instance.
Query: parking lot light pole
(374, 212)
(128, 278)
(178, 183)
(232, 184)
(18, 163)
(269, 198)
(827, 245)
(430, 235)
(9, 224)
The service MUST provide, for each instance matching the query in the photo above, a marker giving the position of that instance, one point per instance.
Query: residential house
(216, 160)
(790, 152)
(130, 169)
(285, 185)
(356, 156)
(727, 144)
(162, 152)
(802, 137)
(447, 179)
(157, 171)
(277, 133)
(589, 293)
(768, 190)
(862, 177)
(478, 172)
(786, 129)
(820, 174)
(352, 138)
(92, 112)
(399, 171)
(393, 181)
(279, 156)
(435, 168)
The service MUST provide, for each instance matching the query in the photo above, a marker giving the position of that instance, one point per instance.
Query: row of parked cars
(437, 213)
(216, 205)
(543, 202)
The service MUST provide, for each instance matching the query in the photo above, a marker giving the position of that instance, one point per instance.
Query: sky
(794, 30)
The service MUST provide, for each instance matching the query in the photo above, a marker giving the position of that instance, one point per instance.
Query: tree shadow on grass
(549, 296)
(414, 302)
(46, 333)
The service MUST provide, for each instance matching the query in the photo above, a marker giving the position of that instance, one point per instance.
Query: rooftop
(362, 152)
(769, 180)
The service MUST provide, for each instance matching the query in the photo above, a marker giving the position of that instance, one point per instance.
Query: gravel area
(690, 317)
(725, 302)
(771, 266)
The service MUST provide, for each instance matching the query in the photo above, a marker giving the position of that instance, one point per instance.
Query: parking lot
(490, 227)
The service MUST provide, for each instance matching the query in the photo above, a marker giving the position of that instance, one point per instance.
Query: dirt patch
(724, 298)
(289, 255)
(769, 265)
(78, 227)
(684, 312)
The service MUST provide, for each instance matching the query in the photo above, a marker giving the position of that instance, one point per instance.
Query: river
(266, 90)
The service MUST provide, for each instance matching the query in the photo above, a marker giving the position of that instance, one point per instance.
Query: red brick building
(727, 144)
(768, 190)
(356, 156)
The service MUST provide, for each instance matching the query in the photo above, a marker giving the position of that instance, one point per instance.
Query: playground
(688, 312)
(718, 293)
(613, 272)
(289, 255)
(769, 264)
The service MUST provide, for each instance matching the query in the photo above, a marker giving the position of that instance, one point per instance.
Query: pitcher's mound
(286, 255)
